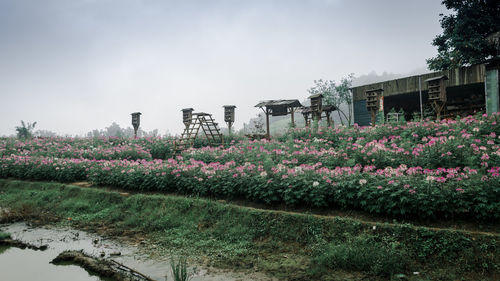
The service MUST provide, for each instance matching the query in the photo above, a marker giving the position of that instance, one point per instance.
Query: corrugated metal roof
(271, 103)
(437, 78)
(315, 96)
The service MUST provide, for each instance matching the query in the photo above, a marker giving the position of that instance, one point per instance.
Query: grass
(362, 253)
(4, 235)
(179, 269)
(283, 245)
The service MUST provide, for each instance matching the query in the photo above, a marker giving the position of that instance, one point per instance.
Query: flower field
(420, 170)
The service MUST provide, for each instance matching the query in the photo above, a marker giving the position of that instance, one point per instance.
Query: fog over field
(74, 66)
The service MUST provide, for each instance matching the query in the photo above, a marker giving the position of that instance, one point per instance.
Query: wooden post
(292, 110)
(328, 121)
(306, 119)
(268, 134)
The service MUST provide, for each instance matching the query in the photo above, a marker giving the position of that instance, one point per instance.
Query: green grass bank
(4, 235)
(285, 245)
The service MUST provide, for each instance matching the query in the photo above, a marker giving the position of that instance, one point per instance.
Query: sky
(77, 65)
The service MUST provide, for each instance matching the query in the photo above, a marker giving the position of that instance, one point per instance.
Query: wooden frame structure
(316, 109)
(206, 123)
(374, 103)
(437, 94)
(308, 114)
(278, 108)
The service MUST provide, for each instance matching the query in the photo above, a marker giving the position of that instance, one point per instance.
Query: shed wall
(361, 115)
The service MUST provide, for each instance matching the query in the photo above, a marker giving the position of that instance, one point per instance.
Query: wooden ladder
(209, 127)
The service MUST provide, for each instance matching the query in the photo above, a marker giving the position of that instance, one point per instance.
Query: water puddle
(21, 265)
(18, 264)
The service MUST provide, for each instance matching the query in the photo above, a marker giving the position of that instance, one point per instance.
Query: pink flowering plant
(418, 169)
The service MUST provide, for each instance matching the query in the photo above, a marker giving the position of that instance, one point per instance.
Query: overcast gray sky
(78, 65)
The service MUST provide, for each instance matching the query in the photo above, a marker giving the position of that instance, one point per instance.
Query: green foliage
(423, 170)
(179, 269)
(4, 235)
(315, 247)
(363, 253)
(465, 30)
(337, 95)
(25, 131)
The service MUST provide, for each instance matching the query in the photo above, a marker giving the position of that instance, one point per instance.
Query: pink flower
(440, 179)
(412, 191)
(379, 187)
(459, 190)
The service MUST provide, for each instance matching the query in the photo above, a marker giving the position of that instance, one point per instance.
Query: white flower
(315, 183)
(362, 181)
(263, 174)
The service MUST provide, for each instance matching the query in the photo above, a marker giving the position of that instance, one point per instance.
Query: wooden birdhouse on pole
(229, 116)
(187, 116)
(374, 103)
(316, 106)
(437, 94)
(136, 122)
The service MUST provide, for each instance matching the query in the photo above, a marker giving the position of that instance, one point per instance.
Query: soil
(101, 267)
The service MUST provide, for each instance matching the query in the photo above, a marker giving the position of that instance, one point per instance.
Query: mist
(76, 66)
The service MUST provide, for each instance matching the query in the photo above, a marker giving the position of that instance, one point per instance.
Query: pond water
(17, 264)
(22, 265)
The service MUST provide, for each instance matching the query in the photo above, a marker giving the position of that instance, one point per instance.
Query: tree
(465, 31)
(25, 131)
(337, 95)
(114, 130)
(45, 134)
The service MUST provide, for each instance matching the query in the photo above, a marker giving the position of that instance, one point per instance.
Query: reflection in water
(21, 265)
(14, 263)
(3, 249)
